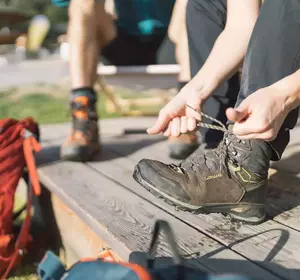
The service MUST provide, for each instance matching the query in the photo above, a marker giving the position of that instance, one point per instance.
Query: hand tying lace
(221, 152)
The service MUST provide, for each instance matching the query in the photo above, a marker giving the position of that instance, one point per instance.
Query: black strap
(161, 225)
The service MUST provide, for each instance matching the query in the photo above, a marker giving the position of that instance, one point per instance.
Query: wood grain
(284, 258)
(79, 243)
(125, 220)
(272, 245)
(107, 127)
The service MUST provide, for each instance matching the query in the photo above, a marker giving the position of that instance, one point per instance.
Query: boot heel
(252, 214)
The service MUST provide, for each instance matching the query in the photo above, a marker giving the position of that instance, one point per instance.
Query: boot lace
(221, 152)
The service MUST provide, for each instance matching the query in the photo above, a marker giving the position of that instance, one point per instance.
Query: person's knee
(80, 10)
(204, 9)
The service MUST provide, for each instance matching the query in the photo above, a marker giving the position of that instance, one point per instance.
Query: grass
(44, 108)
(48, 108)
(28, 270)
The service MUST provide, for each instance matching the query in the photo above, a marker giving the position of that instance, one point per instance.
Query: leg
(205, 22)
(181, 147)
(273, 54)
(86, 36)
(178, 35)
(232, 179)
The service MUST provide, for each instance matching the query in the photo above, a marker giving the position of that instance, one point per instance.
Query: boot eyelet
(243, 142)
(235, 153)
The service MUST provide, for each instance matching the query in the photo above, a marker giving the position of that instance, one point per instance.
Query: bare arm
(230, 47)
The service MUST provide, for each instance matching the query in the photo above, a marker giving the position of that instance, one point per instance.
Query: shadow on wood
(190, 260)
(141, 258)
(284, 186)
(48, 155)
(129, 145)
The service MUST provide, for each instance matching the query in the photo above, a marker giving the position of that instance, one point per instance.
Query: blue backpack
(51, 267)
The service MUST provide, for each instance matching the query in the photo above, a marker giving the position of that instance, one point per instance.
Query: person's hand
(260, 115)
(176, 118)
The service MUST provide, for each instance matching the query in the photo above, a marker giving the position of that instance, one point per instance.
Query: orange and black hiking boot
(83, 143)
(230, 179)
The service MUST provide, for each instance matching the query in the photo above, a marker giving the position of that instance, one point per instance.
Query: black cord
(161, 225)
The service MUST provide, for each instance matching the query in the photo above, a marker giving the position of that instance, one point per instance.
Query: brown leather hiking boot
(83, 143)
(230, 179)
(183, 146)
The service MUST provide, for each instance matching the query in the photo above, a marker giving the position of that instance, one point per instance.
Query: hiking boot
(183, 146)
(83, 143)
(230, 179)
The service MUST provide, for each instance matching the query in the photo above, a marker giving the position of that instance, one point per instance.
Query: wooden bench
(98, 204)
(136, 78)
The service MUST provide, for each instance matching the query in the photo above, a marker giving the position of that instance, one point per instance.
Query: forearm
(290, 87)
(224, 60)
(230, 47)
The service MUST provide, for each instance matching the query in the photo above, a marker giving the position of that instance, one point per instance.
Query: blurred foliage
(56, 15)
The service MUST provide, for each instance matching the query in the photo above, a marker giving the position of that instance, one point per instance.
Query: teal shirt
(144, 17)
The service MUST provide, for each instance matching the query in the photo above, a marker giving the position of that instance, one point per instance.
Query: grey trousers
(273, 53)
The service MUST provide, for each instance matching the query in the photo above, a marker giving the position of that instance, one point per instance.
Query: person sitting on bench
(133, 38)
(231, 179)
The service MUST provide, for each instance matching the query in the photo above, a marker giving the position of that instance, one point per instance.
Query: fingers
(249, 126)
(192, 124)
(236, 115)
(193, 111)
(175, 127)
(174, 108)
(184, 125)
(180, 125)
(167, 131)
(160, 124)
(267, 135)
(176, 118)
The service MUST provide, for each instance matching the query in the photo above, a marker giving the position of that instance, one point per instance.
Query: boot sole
(253, 214)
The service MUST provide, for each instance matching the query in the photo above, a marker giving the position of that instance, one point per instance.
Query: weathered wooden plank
(285, 184)
(284, 197)
(227, 233)
(107, 127)
(125, 220)
(281, 202)
(78, 239)
(291, 156)
(285, 256)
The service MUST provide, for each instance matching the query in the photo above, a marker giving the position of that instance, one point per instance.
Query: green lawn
(42, 107)
(47, 108)
(27, 271)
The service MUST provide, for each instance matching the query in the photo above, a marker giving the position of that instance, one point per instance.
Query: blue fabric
(97, 270)
(144, 17)
(61, 3)
(139, 17)
(50, 267)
